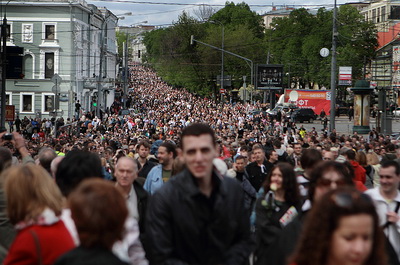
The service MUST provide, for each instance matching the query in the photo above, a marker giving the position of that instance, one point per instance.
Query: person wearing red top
(359, 172)
(34, 204)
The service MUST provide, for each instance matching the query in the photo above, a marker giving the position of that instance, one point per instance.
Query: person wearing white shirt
(387, 201)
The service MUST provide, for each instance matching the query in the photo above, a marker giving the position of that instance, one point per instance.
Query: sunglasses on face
(323, 182)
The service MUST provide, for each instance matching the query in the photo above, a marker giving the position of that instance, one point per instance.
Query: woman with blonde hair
(373, 160)
(34, 205)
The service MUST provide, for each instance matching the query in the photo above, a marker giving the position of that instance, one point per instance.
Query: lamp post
(3, 68)
(333, 71)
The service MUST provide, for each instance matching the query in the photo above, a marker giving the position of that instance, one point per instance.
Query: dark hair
(99, 212)
(269, 153)
(289, 182)
(197, 129)
(76, 166)
(351, 155)
(239, 157)
(144, 144)
(323, 220)
(391, 163)
(321, 168)
(277, 143)
(310, 157)
(171, 148)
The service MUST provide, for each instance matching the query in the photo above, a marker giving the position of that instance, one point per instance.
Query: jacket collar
(190, 186)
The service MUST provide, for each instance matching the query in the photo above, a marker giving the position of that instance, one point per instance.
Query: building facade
(71, 40)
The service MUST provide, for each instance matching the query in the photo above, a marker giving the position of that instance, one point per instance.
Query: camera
(7, 137)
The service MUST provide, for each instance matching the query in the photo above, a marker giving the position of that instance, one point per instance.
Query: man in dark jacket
(259, 169)
(198, 216)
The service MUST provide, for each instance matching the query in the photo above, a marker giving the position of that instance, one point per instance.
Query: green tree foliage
(296, 40)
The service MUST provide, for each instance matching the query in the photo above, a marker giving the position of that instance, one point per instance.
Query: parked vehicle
(302, 115)
(396, 112)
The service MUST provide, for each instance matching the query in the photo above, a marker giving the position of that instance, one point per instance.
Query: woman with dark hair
(278, 206)
(342, 228)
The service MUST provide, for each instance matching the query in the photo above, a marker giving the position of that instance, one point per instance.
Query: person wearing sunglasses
(342, 228)
(325, 176)
(387, 202)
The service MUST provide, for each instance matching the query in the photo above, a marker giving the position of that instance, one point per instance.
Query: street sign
(55, 89)
(345, 75)
(56, 79)
(10, 112)
(222, 91)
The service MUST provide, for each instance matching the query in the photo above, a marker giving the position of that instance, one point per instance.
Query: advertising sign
(345, 75)
(311, 99)
(10, 112)
(269, 76)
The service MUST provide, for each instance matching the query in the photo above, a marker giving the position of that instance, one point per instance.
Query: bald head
(126, 172)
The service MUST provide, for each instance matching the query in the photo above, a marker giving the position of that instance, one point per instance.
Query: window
(8, 98)
(50, 32)
(49, 64)
(27, 102)
(48, 101)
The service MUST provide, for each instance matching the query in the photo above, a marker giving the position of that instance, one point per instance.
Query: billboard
(269, 76)
(311, 99)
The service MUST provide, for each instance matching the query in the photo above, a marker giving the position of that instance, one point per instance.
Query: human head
(361, 158)
(99, 212)
(240, 163)
(5, 158)
(329, 224)
(46, 155)
(126, 172)
(166, 153)
(199, 149)
(297, 149)
(143, 149)
(328, 175)
(309, 158)
(289, 181)
(76, 166)
(54, 165)
(389, 177)
(259, 153)
(350, 155)
(272, 156)
(29, 190)
(328, 155)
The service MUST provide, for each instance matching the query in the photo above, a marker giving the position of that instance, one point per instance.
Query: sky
(165, 12)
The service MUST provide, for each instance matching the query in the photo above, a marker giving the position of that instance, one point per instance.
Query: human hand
(392, 217)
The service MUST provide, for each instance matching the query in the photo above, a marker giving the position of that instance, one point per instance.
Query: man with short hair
(126, 173)
(161, 173)
(259, 169)
(197, 217)
(272, 157)
(387, 202)
(144, 165)
(294, 159)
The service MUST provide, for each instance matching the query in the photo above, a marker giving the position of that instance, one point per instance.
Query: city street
(344, 126)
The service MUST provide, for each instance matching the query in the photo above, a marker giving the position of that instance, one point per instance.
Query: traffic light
(94, 101)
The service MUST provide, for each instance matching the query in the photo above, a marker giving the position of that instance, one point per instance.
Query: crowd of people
(185, 180)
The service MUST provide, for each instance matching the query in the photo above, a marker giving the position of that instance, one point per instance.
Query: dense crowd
(266, 179)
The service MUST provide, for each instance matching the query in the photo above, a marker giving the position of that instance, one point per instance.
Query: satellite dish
(293, 95)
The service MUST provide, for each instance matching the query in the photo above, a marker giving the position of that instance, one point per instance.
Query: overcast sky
(165, 12)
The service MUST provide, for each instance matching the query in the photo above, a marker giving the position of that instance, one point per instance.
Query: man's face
(198, 153)
(274, 157)
(144, 151)
(163, 156)
(131, 148)
(259, 155)
(328, 156)
(297, 149)
(389, 180)
(125, 172)
(330, 180)
(240, 164)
